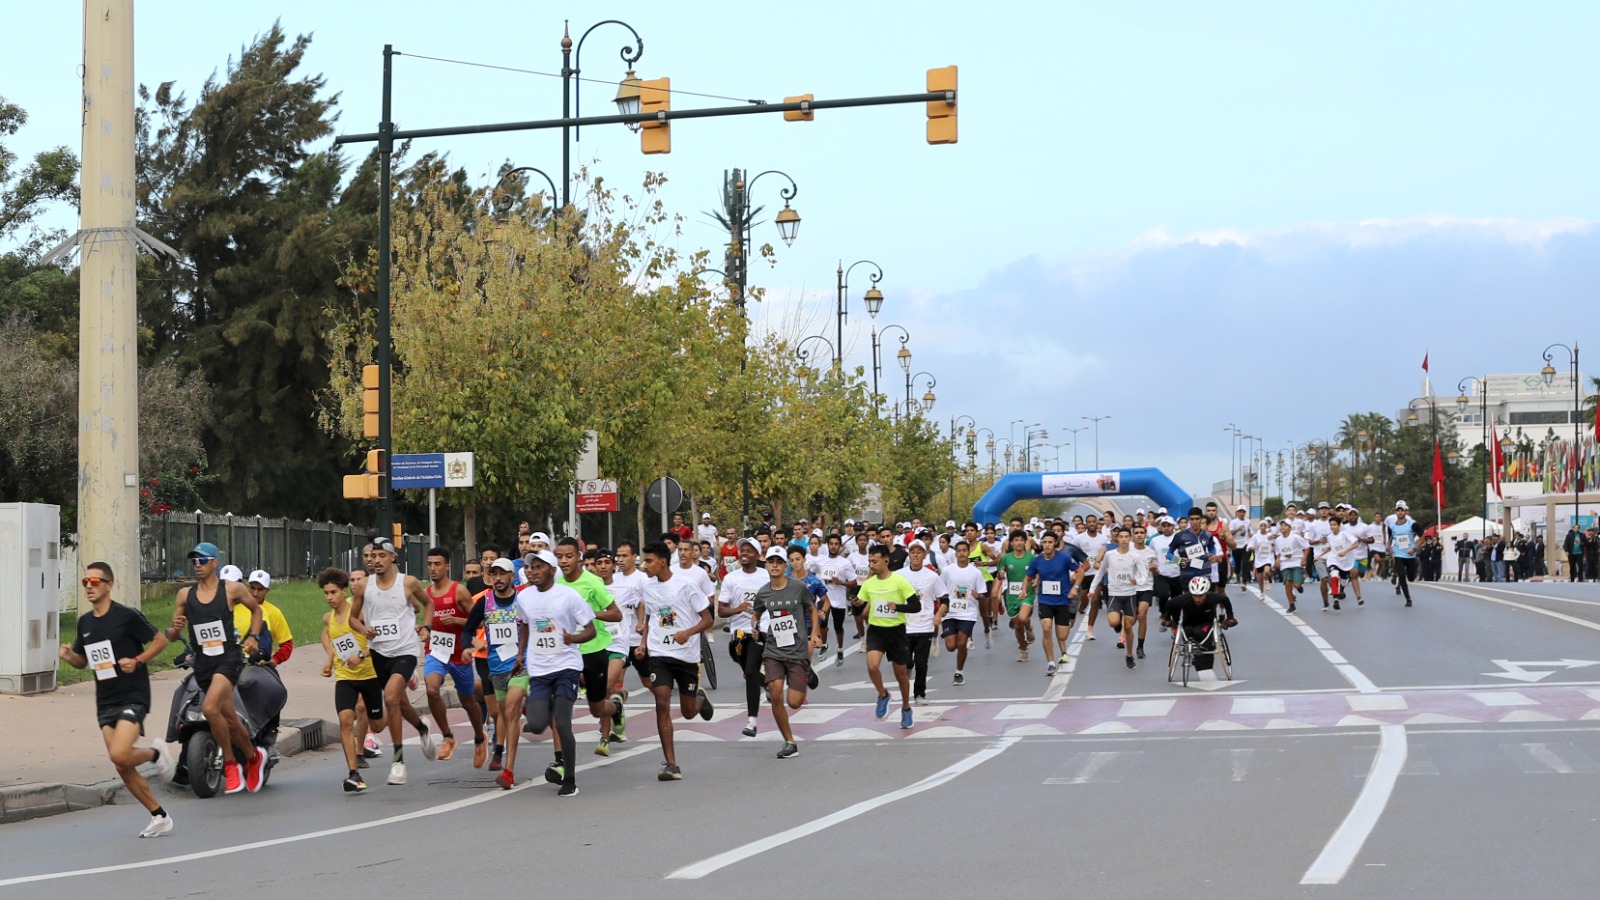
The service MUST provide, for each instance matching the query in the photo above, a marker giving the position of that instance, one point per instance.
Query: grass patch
(301, 601)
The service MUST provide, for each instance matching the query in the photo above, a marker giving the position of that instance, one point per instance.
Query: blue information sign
(408, 471)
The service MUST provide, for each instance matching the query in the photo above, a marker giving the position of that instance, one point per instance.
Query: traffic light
(799, 115)
(942, 113)
(655, 96)
(373, 484)
(369, 401)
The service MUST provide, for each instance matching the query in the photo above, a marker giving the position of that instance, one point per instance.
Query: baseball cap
(949, 523)
(504, 564)
(849, 521)
(539, 536)
(1166, 520)
(917, 544)
(205, 548)
(1139, 511)
(230, 572)
(752, 543)
(1161, 510)
(705, 516)
(260, 577)
(777, 553)
(1241, 508)
(385, 545)
(1322, 505)
(544, 556)
(1400, 504)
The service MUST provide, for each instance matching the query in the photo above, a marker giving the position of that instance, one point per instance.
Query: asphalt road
(1450, 749)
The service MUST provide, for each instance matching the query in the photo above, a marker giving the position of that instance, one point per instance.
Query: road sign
(1517, 670)
(411, 471)
(665, 495)
(597, 486)
(600, 502)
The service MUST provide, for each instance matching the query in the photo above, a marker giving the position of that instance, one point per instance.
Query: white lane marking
(1145, 708)
(1574, 620)
(1271, 706)
(1483, 587)
(326, 832)
(1026, 711)
(1371, 703)
(1501, 698)
(738, 854)
(1086, 767)
(1074, 648)
(1334, 861)
(1351, 674)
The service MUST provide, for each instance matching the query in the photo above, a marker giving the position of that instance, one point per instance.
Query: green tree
(263, 231)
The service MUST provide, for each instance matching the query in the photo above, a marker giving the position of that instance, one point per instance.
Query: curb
(22, 802)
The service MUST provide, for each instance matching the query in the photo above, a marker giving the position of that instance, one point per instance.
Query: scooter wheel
(203, 759)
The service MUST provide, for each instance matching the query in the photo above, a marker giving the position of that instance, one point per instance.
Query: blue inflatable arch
(1016, 486)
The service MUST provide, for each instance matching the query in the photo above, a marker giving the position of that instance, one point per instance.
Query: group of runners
(527, 632)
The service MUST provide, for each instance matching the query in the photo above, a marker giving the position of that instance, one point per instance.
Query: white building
(1520, 402)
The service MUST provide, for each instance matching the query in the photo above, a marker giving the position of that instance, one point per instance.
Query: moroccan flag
(1438, 475)
(1497, 460)
(1424, 360)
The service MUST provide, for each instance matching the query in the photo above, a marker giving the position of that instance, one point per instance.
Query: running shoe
(157, 826)
(1049, 669)
(555, 773)
(506, 779)
(430, 747)
(361, 763)
(1024, 655)
(447, 748)
(1140, 653)
(619, 719)
(811, 680)
(1335, 606)
(1089, 635)
(705, 705)
(958, 680)
(397, 773)
(255, 771)
(1291, 609)
(603, 748)
(165, 765)
(370, 748)
(1120, 645)
(788, 750)
(838, 661)
(480, 754)
(494, 764)
(1361, 601)
(822, 652)
(232, 777)
(920, 700)
(669, 772)
(988, 643)
(1063, 659)
(905, 718)
(749, 729)
(882, 708)
(354, 785)
(568, 790)
(1130, 661)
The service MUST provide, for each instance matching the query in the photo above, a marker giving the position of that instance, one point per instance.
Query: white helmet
(1200, 584)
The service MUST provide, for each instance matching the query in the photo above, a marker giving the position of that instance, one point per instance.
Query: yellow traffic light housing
(373, 484)
(369, 401)
(799, 115)
(942, 113)
(655, 96)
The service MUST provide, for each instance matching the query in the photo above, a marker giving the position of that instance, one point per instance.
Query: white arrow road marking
(1517, 670)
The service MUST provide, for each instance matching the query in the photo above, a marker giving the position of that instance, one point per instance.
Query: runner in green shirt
(1019, 605)
(888, 597)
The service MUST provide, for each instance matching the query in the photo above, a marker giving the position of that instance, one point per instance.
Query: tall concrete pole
(108, 374)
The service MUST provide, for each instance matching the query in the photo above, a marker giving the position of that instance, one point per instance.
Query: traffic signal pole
(941, 108)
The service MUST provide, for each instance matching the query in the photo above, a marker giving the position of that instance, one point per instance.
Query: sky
(1178, 214)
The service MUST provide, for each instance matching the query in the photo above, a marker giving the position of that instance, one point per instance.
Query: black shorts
(389, 666)
(596, 666)
(890, 641)
(664, 671)
(1063, 613)
(640, 665)
(480, 664)
(367, 690)
(229, 665)
(953, 627)
(838, 619)
(109, 716)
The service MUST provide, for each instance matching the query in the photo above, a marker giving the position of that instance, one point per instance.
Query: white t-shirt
(929, 588)
(1159, 545)
(1360, 531)
(738, 587)
(707, 532)
(1241, 530)
(1144, 579)
(863, 568)
(670, 607)
(695, 574)
(1261, 545)
(944, 558)
(1290, 550)
(549, 616)
(963, 585)
(836, 572)
(1341, 550)
(627, 591)
(1119, 572)
(1316, 534)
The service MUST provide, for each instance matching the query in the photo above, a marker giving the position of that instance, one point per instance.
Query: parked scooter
(259, 697)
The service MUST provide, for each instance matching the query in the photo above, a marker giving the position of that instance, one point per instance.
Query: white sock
(750, 720)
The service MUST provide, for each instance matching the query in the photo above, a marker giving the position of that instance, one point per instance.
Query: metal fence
(285, 548)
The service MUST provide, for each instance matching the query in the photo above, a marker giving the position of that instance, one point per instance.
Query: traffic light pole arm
(663, 116)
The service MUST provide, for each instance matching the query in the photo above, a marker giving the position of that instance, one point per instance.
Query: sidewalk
(53, 760)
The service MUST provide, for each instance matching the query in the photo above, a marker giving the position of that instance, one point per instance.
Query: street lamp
(967, 423)
(904, 357)
(1074, 433)
(927, 397)
(503, 198)
(805, 358)
(627, 99)
(1096, 420)
(873, 299)
(1549, 377)
(1028, 435)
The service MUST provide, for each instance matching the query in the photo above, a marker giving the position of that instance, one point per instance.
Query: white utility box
(30, 593)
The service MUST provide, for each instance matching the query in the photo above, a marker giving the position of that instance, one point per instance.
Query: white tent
(1473, 528)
